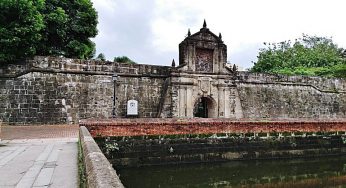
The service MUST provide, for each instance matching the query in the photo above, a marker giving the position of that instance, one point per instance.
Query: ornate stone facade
(202, 86)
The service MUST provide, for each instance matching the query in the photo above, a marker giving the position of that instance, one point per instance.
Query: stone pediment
(203, 52)
(205, 35)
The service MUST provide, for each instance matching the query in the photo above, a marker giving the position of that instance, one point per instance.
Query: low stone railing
(99, 172)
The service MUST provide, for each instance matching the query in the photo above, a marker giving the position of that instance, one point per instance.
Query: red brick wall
(152, 126)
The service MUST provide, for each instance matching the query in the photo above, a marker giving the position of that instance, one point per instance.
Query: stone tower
(202, 85)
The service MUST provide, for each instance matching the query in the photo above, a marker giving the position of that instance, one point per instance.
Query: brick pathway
(39, 156)
(37, 132)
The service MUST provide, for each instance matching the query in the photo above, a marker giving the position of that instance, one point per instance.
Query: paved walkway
(39, 156)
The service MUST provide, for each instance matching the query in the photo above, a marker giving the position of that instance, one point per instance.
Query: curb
(99, 172)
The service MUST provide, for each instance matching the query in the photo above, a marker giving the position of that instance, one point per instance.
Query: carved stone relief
(204, 60)
(232, 101)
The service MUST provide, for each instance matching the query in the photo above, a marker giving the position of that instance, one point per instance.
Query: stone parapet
(78, 66)
(99, 172)
(322, 84)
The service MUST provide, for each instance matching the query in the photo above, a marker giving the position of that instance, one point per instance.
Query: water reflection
(321, 172)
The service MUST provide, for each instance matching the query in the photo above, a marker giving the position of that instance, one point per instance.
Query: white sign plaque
(132, 108)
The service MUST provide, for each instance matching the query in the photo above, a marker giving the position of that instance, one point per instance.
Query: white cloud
(149, 31)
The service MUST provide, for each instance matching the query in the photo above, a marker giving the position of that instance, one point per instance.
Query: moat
(309, 172)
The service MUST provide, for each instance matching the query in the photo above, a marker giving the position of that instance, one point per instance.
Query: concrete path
(43, 156)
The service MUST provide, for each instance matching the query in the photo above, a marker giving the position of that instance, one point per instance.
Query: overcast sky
(149, 31)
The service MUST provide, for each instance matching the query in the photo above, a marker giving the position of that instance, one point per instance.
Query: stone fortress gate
(202, 85)
(52, 90)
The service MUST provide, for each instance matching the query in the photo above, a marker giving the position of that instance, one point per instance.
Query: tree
(20, 26)
(309, 55)
(123, 59)
(101, 57)
(47, 27)
(69, 27)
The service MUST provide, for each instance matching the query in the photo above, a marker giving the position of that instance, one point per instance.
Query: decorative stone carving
(202, 74)
(232, 105)
(203, 52)
(205, 85)
(204, 60)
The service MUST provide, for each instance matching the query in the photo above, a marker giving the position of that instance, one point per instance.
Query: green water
(320, 172)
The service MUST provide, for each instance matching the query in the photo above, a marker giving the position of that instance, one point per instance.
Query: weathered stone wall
(319, 83)
(39, 97)
(59, 90)
(137, 151)
(146, 90)
(264, 96)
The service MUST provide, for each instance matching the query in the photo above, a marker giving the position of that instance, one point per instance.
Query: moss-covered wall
(177, 149)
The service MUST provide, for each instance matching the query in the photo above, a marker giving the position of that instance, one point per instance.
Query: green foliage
(47, 27)
(69, 25)
(123, 59)
(310, 55)
(20, 26)
(101, 57)
(78, 49)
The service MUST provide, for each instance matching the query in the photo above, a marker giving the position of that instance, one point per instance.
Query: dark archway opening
(202, 107)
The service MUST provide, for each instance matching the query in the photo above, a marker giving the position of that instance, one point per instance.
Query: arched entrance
(204, 108)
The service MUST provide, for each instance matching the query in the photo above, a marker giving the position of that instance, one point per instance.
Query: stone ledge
(50, 64)
(99, 172)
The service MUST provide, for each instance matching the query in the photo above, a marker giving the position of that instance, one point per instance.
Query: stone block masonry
(39, 97)
(177, 149)
(267, 96)
(48, 90)
(51, 90)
